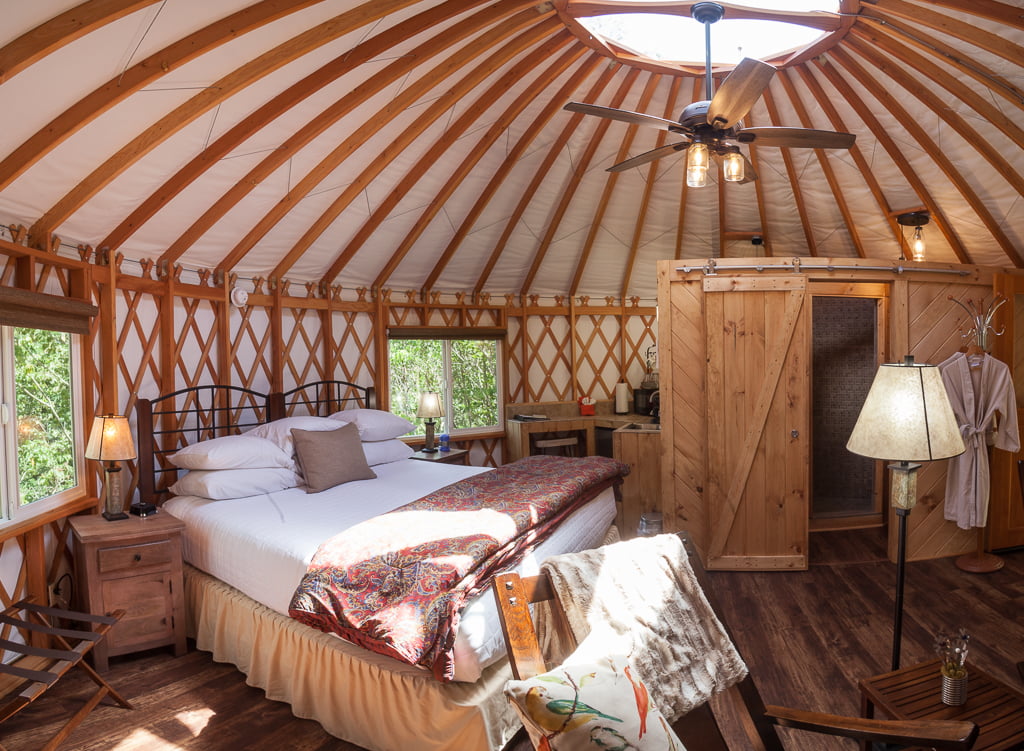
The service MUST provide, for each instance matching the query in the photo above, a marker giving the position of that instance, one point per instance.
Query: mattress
(261, 545)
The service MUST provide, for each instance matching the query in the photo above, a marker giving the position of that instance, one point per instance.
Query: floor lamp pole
(901, 562)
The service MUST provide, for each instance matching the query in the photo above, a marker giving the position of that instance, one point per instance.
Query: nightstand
(454, 456)
(134, 564)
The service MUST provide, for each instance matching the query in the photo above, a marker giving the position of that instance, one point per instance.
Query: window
(464, 371)
(41, 450)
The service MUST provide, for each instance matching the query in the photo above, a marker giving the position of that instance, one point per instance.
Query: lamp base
(143, 509)
(114, 517)
(979, 563)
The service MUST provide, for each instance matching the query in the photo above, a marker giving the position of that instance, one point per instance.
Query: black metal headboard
(321, 398)
(171, 421)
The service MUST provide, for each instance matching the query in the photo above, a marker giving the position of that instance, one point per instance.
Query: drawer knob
(138, 557)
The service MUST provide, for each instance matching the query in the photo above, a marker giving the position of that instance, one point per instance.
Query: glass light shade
(917, 245)
(697, 160)
(430, 405)
(732, 165)
(110, 439)
(907, 417)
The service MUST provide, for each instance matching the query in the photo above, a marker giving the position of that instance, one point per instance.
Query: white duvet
(261, 545)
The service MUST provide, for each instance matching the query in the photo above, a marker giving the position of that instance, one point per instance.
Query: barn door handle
(795, 433)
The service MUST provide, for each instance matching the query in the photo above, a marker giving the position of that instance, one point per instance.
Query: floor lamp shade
(907, 416)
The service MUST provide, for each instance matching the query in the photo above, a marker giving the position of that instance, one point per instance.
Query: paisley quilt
(395, 584)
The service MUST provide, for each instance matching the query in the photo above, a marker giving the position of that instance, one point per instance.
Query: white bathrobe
(985, 406)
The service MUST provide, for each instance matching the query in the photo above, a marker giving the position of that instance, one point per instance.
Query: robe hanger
(977, 348)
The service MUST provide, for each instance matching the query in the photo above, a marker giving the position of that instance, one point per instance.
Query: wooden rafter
(877, 129)
(759, 192)
(569, 190)
(645, 200)
(61, 30)
(513, 156)
(838, 193)
(609, 185)
(794, 180)
(139, 75)
(361, 134)
(500, 125)
(207, 99)
(887, 100)
(1004, 13)
(684, 190)
(538, 177)
(220, 148)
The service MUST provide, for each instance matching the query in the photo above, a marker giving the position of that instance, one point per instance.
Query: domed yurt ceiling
(425, 145)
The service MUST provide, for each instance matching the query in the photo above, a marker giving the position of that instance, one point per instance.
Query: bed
(244, 556)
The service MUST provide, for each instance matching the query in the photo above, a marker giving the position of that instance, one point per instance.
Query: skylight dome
(664, 31)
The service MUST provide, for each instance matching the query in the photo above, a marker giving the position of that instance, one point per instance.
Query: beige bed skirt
(361, 697)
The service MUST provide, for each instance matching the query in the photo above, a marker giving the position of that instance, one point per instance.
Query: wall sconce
(111, 441)
(429, 408)
(917, 220)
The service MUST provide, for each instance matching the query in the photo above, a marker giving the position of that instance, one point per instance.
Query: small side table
(915, 693)
(133, 564)
(453, 456)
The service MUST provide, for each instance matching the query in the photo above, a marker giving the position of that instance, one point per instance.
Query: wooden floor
(807, 637)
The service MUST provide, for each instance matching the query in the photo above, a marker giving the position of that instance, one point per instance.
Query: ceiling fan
(713, 126)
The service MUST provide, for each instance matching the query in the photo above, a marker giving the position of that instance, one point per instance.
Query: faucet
(655, 405)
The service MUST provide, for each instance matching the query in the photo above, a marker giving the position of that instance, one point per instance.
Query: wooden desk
(519, 432)
(914, 693)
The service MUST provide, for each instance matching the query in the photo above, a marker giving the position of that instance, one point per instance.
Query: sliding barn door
(758, 407)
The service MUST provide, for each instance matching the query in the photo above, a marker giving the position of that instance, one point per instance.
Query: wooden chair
(50, 653)
(739, 708)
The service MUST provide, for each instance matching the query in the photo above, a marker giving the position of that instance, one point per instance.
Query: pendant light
(697, 159)
(917, 220)
(732, 166)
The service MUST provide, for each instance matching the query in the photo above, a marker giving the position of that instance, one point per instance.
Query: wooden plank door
(758, 418)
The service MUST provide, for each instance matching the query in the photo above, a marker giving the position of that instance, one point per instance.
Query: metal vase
(954, 691)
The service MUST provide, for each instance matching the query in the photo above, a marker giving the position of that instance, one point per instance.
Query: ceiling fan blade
(738, 92)
(798, 138)
(649, 156)
(633, 118)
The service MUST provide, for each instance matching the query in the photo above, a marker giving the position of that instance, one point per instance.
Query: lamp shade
(907, 416)
(430, 405)
(110, 439)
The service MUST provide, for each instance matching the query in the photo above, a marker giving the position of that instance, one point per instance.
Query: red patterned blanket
(395, 584)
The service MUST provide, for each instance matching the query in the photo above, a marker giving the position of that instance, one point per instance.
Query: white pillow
(222, 484)
(231, 452)
(383, 452)
(375, 424)
(280, 431)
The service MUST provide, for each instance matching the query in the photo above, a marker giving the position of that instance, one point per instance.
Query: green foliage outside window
(46, 456)
(471, 397)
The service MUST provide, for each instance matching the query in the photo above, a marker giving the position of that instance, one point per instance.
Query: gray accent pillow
(331, 457)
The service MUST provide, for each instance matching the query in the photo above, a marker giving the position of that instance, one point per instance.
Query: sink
(645, 427)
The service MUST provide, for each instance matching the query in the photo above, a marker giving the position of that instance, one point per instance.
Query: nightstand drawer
(127, 557)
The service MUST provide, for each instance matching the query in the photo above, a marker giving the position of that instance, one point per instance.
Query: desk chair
(740, 705)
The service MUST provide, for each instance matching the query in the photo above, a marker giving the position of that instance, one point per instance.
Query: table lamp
(906, 418)
(430, 407)
(110, 442)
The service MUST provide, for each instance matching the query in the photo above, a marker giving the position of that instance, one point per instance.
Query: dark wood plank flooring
(807, 637)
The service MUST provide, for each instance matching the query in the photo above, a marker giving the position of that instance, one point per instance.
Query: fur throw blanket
(640, 598)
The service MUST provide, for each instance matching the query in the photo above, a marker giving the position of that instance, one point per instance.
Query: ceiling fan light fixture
(697, 161)
(732, 166)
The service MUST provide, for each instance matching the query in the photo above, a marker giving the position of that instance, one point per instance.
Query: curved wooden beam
(538, 124)
(937, 155)
(499, 126)
(1003, 13)
(684, 190)
(70, 25)
(814, 19)
(206, 100)
(762, 207)
(645, 200)
(538, 177)
(838, 193)
(493, 60)
(266, 113)
(155, 66)
(569, 190)
(611, 179)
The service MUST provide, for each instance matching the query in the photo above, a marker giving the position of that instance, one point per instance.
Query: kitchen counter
(564, 419)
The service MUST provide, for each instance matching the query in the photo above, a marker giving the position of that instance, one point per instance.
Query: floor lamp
(907, 419)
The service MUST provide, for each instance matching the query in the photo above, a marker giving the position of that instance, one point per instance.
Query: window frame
(11, 510)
